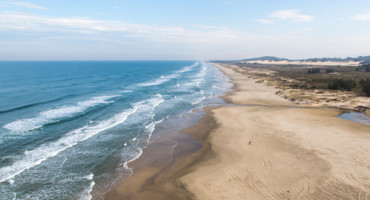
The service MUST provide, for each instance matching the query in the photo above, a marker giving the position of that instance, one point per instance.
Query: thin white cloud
(265, 21)
(22, 4)
(197, 33)
(293, 15)
(362, 17)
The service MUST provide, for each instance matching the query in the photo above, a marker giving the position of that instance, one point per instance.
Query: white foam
(145, 106)
(14, 196)
(194, 82)
(11, 181)
(155, 82)
(203, 71)
(53, 115)
(172, 76)
(36, 156)
(151, 127)
(165, 78)
(188, 68)
(156, 103)
(198, 100)
(160, 80)
(198, 81)
(86, 194)
(90, 176)
(126, 91)
(149, 105)
(185, 69)
(133, 159)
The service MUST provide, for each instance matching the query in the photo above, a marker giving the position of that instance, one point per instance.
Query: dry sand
(264, 147)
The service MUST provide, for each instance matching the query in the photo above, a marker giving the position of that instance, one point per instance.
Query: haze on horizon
(173, 30)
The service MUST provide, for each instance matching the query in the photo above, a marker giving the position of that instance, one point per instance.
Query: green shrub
(340, 84)
(313, 71)
(367, 68)
(365, 83)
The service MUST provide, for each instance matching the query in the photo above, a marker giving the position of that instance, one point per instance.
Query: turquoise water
(68, 129)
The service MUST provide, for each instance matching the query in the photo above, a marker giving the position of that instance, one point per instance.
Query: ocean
(68, 129)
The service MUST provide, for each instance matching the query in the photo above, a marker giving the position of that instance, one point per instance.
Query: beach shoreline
(272, 150)
(156, 172)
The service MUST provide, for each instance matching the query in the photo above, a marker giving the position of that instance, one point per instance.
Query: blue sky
(182, 30)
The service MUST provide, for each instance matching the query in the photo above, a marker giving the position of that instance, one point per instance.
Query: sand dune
(318, 63)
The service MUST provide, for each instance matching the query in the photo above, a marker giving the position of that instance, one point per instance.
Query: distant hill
(270, 58)
(361, 59)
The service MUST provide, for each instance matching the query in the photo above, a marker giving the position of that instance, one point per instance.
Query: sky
(182, 29)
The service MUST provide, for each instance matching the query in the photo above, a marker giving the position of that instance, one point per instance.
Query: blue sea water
(68, 129)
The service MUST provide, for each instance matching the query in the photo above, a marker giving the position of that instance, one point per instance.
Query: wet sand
(157, 171)
(270, 151)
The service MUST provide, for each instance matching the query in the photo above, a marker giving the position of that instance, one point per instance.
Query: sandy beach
(261, 146)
